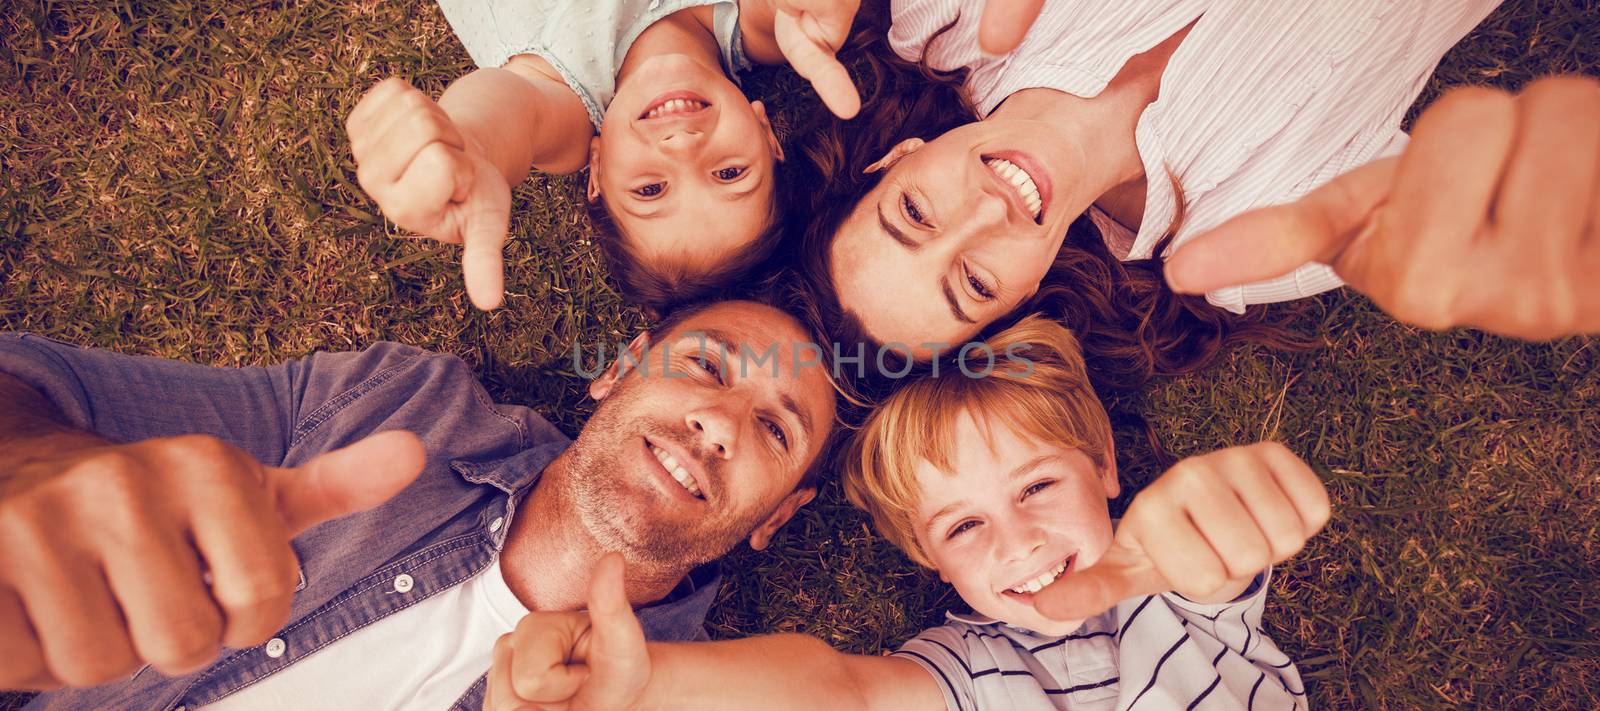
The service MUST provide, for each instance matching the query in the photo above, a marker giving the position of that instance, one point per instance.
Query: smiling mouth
(674, 104)
(679, 472)
(1023, 184)
(1035, 584)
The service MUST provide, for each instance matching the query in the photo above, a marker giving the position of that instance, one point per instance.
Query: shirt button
(275, 647)
(496, 523)
(403, 583)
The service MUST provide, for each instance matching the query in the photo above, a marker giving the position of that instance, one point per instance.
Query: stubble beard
(608, 500)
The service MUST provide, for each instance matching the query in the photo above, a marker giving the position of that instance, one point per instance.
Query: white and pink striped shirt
(1262, 102)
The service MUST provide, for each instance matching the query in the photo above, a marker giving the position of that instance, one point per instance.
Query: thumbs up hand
(1490, 219)
(574, 660)
(1202, 530)
(107, 549)
(429, 179)
(810, 33)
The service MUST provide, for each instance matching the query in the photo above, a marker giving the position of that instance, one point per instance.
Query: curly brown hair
(1132, 327)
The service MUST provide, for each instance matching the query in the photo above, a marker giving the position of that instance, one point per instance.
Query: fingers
(498, 694)
(618, 661)
(346, 480)
(410, 157)
(1005, 23)
(486, 222)
(1299, 484)
(22, 665)
(1274, 241)
(172, 620)
(544, 665)
(810, 51)
(1118, 575)
(80, 628)
(253, 568)
(1414, 263)
(1539, 216)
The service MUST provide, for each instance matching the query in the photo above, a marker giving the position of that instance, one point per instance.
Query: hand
(809, 33)
(1005, 23)
(574, 660)
(427, 178)
(1202, 530)
(1490, 219)
(105, 548)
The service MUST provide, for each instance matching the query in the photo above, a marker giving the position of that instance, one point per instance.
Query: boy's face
(685, 162)
(1014, 515)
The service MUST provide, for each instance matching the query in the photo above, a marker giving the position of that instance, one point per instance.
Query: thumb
(1120, 574)
(619, 666)
(347, 480)
(485, 222)
(1273, 241)
(1005, 23)
(810, 51)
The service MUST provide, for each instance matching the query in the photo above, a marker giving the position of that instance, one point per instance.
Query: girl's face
(1014, 515)
(685, 162)
(958, 233)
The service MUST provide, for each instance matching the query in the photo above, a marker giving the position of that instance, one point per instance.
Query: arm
(519, 117)
(783, 671)
(600, 660)
(445, 170)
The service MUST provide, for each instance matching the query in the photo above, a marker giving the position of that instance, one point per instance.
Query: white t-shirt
(1261, 103)
(423, 657)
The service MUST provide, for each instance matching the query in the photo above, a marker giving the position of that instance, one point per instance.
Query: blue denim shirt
(441, 530)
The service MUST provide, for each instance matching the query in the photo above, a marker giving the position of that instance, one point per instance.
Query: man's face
(1014, 515)
(688, 452)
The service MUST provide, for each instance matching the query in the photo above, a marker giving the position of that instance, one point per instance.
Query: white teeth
(1045, 578)
(1020, 180)
(675, 106)
(678, 472)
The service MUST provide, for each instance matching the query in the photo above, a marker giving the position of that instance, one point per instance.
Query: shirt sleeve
(941, 652)
(1250, 667)
(261, 410)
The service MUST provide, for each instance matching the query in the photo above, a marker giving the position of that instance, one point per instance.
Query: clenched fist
(429, 179)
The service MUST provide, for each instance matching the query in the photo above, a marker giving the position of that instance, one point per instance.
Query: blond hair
(1042, 391)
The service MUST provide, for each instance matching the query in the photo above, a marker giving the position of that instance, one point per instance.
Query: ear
(763, 534)
(900, 150)
(1108, 474)
(602, 386)
(772, 136)
(594, 169)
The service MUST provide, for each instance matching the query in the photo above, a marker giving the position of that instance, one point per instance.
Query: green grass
(175, 181)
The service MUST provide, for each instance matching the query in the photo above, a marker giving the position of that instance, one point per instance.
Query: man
(154, 511)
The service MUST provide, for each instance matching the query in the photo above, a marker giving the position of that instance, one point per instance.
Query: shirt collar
(513, 474)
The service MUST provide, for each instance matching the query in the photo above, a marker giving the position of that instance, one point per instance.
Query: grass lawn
(175, 181)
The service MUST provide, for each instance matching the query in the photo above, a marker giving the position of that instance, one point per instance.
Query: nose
(1019, 541)
(714, 431)
(683, 142)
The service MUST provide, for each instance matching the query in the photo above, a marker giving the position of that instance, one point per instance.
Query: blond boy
(1000, 484)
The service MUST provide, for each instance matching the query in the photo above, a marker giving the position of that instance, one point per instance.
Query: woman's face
(958, 233)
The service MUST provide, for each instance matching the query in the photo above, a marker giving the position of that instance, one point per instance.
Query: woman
(1055, 176)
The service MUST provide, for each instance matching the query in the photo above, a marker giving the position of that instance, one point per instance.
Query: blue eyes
(972, 523)
(650, 190)
(727, 174)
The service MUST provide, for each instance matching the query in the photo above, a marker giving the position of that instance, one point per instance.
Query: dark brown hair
(1131, 326)
(661, 290)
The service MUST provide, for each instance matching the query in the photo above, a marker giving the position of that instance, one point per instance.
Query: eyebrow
(722, 340)
(895, 232)
(955, 307)
(1019, 472)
